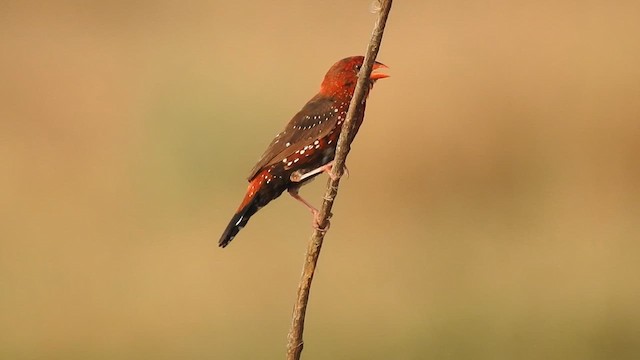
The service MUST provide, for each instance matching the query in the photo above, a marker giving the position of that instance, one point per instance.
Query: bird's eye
(358, 67)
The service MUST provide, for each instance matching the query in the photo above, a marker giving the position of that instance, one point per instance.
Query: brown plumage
(306, 147)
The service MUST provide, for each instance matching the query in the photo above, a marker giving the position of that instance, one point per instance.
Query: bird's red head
(342, 77)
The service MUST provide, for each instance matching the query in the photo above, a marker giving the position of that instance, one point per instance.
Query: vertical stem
(294, 338)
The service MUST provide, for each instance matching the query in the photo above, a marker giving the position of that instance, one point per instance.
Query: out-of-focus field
(492, 212)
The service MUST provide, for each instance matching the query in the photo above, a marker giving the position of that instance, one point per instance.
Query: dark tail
(238, 221)
(262, 189)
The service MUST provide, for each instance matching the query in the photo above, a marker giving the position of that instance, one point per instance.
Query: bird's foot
(316, 223)
(317, 219)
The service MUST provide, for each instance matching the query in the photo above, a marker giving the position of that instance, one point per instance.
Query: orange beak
(376, 74)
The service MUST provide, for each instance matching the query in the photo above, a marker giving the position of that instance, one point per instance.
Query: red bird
(306, 147)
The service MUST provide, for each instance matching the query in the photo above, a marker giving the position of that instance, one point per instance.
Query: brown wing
(316, 119)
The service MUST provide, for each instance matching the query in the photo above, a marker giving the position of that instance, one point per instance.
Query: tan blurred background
(492, 210)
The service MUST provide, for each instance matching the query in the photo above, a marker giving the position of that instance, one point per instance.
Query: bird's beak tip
(376, 73)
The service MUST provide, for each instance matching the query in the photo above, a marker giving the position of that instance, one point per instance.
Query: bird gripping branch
(306, 147)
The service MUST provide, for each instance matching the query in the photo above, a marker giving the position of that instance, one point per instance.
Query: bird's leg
(293, 191)
(298, 175)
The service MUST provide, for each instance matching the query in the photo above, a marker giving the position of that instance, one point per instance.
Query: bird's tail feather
(249, 206)
(238, 221)
(256, 197)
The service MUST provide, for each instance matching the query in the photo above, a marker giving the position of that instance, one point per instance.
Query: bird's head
(342, 77)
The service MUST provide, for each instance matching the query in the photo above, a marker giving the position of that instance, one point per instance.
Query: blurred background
(492, 210)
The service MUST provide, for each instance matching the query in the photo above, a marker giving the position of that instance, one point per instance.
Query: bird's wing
(316, 119)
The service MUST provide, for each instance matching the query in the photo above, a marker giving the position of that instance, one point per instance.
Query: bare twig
(294, 339)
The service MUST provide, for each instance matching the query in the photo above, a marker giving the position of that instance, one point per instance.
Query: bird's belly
(319, 153)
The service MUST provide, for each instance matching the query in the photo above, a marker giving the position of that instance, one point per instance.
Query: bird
(307, 145)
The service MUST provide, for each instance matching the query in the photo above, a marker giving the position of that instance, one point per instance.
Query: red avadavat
(306, 147)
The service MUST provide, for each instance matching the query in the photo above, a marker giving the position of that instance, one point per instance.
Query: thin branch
(294, 339)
